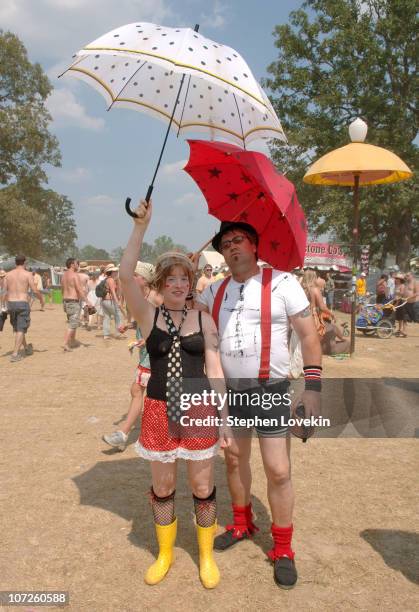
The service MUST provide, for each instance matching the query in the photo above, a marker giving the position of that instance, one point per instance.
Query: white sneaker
(117, 439)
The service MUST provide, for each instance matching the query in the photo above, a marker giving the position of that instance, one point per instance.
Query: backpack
(102, 289)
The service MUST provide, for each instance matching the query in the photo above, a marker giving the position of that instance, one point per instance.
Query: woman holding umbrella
(179, 341)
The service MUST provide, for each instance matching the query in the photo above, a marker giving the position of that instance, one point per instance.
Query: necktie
(174, 367)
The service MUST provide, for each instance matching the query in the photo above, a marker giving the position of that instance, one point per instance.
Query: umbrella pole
(151, 186)
(354, 260)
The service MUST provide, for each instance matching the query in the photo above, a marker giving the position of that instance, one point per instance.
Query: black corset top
(192, 353)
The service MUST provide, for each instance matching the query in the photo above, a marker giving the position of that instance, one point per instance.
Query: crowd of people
(219, 336)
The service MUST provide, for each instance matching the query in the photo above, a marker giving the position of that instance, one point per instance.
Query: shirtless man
(205, 280)
(18, 283)
(412, 294)
(73, 294)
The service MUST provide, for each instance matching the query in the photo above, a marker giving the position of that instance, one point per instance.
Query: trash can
(57, 296)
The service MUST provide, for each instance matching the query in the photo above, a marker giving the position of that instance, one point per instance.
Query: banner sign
(326, 254)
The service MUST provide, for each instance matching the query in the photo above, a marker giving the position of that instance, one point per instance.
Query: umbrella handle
(130, 212)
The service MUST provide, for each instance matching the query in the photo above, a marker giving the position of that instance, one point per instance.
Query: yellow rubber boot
(166, 537)
(208, 570)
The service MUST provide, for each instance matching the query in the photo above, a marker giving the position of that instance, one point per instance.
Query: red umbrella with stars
(241, 185)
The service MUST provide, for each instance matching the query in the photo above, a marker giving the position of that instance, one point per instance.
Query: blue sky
(107, 156)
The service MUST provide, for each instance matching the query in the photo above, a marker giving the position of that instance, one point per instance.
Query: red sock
(242, 521)
(282, 537)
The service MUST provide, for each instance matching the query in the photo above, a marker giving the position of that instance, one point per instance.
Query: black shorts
(20, 315)
(265, 408)
(401, 313)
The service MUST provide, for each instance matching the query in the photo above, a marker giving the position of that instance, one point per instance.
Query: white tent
(213, 258)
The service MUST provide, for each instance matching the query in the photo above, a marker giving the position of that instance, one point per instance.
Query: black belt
(71, 300)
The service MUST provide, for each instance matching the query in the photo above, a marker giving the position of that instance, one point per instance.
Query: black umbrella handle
(130, 212)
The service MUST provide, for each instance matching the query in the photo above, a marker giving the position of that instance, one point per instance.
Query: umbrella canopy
(373, 165)
(141, 65)
(245, 186)
(354, 165)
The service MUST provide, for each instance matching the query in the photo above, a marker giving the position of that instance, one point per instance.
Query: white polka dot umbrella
(181, 77)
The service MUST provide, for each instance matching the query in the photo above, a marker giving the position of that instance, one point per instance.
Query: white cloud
(187, 198)
(173, 168)
(217, 19)
(100, 200)
(66, 111)
(74, 175)
(55, 29)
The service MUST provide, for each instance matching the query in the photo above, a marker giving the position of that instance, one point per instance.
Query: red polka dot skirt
(191, 439)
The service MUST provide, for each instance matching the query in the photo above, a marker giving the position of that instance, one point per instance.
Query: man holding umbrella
(253, 310)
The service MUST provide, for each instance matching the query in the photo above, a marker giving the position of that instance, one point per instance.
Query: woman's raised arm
(139, 307)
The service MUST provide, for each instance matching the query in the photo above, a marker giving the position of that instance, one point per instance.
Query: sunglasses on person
(226, 244)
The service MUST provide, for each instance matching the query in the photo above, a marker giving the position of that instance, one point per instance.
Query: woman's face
(176, 285)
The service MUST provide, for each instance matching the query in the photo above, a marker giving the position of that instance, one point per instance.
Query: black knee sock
(163, 508)
(206, 509)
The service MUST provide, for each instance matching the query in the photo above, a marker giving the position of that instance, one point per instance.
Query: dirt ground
(75, 514)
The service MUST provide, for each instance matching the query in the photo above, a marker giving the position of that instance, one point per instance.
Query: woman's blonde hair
(164, 265)
(308, 281)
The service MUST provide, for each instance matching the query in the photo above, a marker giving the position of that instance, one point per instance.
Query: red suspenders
(265, 318)
(218, 299)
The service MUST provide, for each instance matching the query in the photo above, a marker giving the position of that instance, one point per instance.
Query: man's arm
(311, 351)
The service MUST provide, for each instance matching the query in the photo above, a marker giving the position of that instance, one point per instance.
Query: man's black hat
(227, 226)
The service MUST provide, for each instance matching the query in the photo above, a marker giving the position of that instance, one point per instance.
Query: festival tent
(213, 258)
(7, 262)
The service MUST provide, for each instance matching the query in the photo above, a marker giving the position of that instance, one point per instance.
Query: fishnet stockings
(163, 508)
(206, 510)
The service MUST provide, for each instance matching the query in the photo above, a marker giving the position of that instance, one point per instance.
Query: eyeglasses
(236, 240)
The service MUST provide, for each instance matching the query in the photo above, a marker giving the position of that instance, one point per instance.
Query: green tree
(91, 252)
(25, 142)
(34, 220)
(162, 244)
(338, 59)
(117, 253)
(147, 253)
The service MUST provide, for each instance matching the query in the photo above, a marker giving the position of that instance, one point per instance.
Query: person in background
(84, 281)
(321, 283)
(381, 289)
(412, 295)
(111, 304)
(118, 439)
(321, 314)
(73, 295)
(330, 291)
(3, 307)
(401, 311)
(391, 286)
(92, 299)
(206, 279)
(99, 308)
(37, 279)
(361, 288)
(18, 283)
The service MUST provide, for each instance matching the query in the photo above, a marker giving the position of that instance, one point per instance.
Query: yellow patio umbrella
(357, 165)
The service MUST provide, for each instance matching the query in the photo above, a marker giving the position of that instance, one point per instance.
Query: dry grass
(75, 515)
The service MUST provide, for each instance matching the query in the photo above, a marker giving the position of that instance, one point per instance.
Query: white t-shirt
(239, 323)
